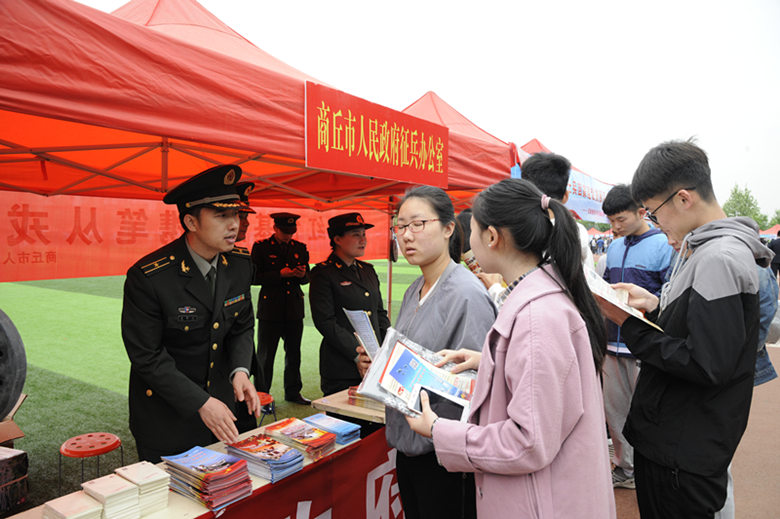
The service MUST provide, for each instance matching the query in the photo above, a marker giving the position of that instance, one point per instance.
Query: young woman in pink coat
(535, 437)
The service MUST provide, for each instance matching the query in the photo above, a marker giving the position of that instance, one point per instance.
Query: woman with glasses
(535, 435)
(446, 307)
(343, 281)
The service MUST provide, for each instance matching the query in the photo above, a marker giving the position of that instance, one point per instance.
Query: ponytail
(519, 207)
(565, 253)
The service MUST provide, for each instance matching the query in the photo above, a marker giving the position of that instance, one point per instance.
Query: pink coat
(536, 436)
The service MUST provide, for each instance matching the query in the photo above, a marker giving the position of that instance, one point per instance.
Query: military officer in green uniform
(187, 324)
(281, 267)
(343, 281)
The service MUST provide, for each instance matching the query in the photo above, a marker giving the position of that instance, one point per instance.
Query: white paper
(361, 323)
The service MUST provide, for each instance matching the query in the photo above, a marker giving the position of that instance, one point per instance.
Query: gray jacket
(457, 314)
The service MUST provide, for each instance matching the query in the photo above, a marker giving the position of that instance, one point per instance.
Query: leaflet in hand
(402, 368)
(617, 298)
(361, 323)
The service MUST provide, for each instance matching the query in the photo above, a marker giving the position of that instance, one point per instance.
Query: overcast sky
(600, 82)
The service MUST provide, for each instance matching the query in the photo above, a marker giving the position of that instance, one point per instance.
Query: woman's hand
(423, 424)
(464, 358)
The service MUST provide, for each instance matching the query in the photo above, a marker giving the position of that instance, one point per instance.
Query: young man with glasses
(692, 399)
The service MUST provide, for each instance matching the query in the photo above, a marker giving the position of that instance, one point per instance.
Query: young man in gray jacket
(692, 399)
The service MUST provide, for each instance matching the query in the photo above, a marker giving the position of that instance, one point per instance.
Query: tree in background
(741, 202)
(775, 219)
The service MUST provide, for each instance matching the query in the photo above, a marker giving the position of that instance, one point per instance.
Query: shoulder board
(157, 265)
(240, 251)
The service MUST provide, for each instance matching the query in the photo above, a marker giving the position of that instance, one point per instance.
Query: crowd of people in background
(561, 374)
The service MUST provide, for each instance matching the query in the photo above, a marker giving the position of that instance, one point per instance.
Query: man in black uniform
(243, 189)
(281, 267)
(343, 281)
(187, 324)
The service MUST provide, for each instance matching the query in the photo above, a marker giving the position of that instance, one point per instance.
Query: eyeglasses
(415, 226)
(650, 215)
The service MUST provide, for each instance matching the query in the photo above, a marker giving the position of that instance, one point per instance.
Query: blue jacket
(767, 301)
(642, 260)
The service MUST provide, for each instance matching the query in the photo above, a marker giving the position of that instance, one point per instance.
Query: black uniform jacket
(335, 286)
(280, 298)
(182, 344)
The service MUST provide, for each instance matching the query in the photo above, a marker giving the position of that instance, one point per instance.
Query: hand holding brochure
(402, 368)
(361, 323)
(618, 299)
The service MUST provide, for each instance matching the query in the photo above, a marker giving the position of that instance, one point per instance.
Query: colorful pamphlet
(266, 457)
(211, 478)
(402, 368)
(345, 431)
(314, 442)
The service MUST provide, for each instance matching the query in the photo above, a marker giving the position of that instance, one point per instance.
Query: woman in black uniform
(343, 281)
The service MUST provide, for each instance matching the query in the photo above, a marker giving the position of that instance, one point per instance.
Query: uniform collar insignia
(184, 268)
(224, 260)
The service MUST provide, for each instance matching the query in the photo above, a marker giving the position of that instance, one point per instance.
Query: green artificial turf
(78, 369)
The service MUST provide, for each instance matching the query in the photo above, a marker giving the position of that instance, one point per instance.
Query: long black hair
(445, 212)
(516, 205)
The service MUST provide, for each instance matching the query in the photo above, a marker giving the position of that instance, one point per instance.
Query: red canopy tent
(91, 104)
(772, 231)
(471, 147)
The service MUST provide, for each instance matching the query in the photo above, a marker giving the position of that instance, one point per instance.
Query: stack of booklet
(345, 431)
(119, 496)
(211, 478)
(314, 442)
(77, 505)
(152, 483)
(353, 398)
(267, 458)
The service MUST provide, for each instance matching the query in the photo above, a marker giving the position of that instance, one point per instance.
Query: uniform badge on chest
(187, 309)
(345, 283)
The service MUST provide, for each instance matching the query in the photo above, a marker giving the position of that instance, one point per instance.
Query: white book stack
(152, 483)
(119, 496)
(77, 505)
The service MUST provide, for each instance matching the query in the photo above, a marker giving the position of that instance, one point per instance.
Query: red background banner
(76, 236)
(348, 134)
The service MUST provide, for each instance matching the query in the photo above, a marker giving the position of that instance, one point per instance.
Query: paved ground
(756, 465)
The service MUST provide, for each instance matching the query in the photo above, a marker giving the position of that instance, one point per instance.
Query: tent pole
(164, 165)
(390, 261)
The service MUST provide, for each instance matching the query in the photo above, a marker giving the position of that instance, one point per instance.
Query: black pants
(268, 335)
(666, 493)
(429, 491)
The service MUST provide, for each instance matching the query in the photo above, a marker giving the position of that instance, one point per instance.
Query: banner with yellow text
(348, 134)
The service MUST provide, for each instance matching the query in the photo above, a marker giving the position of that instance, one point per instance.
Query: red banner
(348, 134)
(358, 482)
(76, 236)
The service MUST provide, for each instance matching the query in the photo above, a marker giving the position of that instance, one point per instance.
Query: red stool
(268, 406)
(87, 446)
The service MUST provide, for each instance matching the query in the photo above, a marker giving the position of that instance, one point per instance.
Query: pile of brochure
(77, 505)
(353, 398)
(119, 496)
(211, 478)
(152, 483)
(345, 432)
(267, 458)
(314, 442)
